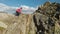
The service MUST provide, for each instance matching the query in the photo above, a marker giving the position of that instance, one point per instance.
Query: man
(18, 11)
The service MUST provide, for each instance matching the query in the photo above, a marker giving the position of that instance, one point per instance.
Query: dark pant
(17, 13)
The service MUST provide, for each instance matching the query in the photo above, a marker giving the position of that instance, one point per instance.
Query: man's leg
(17, 14)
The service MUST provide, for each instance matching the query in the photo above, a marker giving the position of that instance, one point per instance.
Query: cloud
(3, 6)
(26, 9)
(6, 8)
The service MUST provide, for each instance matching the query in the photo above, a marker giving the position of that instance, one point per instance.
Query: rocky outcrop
(46, 18)
(44, 24)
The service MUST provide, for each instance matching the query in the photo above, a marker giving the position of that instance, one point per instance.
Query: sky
(32, 3)
(28, 5)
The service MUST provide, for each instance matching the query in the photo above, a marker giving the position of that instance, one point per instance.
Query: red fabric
(19, 10)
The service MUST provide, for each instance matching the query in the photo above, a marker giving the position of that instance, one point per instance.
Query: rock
(46, 18)
(2, 24)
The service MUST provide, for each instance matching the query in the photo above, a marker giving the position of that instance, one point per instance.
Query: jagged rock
(46, 18)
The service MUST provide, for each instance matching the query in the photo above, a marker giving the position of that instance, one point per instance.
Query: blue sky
(32, 3)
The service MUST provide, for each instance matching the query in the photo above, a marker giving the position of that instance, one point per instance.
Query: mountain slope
(17, 25)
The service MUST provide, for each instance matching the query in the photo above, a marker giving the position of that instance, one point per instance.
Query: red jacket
(19, 10)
